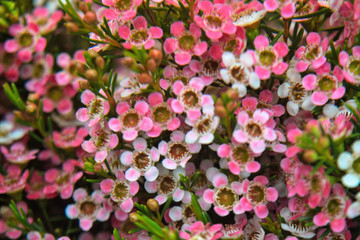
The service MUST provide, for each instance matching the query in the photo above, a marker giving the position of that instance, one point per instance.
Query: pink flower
(96, 108)
(140, 36)
(199, 230)
(130, 86)
(101, 142)
(18, 154)
(256, 196)
(40, 68)
(313, 53)
(121, 191)
(14, 181)
(186, 42)
(69, 137)
(203, 129)
(247, 14)
(35, 189)
(46, 21)
(287, 7)
(334, 210)
(141, 161)
(254, 130)
(325, 86)
(120, 9)
(351, 68)
(131, 120)
(216, 19)
(62, 181)
(87, 208)
(68, 75)
(269, 58)
(34, 235)
(6, 214)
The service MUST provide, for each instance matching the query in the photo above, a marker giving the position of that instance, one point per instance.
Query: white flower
(9, 133)
(351, 164)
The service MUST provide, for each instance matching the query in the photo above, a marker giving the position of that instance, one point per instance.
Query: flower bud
(220, 111)
(90, 17)
(310, 156)
(100, 62)
(91, 75)
(105, 79)
(233, 94)
(83, 84)
(71, 27)
(97, 167)
(128, 62)
(144, 78)
(32, 97)
(67, 18)
(152, 204)
(156, 55)
(324, 143)
(230, 106)
(93, 53)
(84, 7)
(30, 107)
(151, 65)
(133, 217)
(80, 67)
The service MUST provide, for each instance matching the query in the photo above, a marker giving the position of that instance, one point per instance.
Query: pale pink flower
(9, 65)
(256, 195)
(247, 14)
(35, 189)
(101, 142)
(68, 75)
(121, 190)
(120, 9)
(6, 214)
(62, 181)
(208, 68)
(269, 59)
(87, 208)
(287, 7)
(34, 235)
(203, 129)
(130, 86)
(9, 132)
(131, 120)
(171, 75)
(18, 153)
(254, 130)
(312, 54)
(96, 108)
(46, 21)
(69, 137)
(14, 181)
(199, 230)
(185, 43)
(215, 20)
(40, 68)
(351, 68)
(141, 161)
(140, 35)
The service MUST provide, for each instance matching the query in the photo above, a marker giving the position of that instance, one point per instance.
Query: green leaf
(277, 37)
(317, 13)
(166, 206)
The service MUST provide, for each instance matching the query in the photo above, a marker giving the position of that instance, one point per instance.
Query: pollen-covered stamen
(39, 69)
(213, 21)
(62, 179)
(225, 197)
(101, 138)
(210, 67)
(240, 154)
(335, 207)
(232, 230)
(95, 108)
(312, 52)
(299, 226)
(189, 215)
(205, 125)
(178, 151)
(190, 98)
(187, 42)
(316, 183)
(25, 39)
(139, 36)
(55, 93)
(254, 129)
(231, 45)
(247, 17)
(297, 92)
(162, 113)
(255, 235)
(130, 119)
(120, 191)
(88, 208)
(239, 73)
(123, 5)
(327, 83)
(354, 66)
(256, 193)
(267, 56)
(201, 180)
(141, 160)
(180, 76)
(306, 9)
(167, 184)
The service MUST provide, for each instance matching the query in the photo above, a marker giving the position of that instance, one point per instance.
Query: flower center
(226, 197)
(239, 73)
(101, 138)
(204, 125)
(187, 42)
(63, 179)
(39, 70)
(327, 83)
(240, 154)
(213, 21)
(267, 57)
(167, 184)
(298, 226)
(188, 214)
(139, 36)
(354, 67)
(123, 5)
(180, 76)
(210, 67)
(312, 52)
(231, 45)
(316, 183)
(201, 180)
(297, 92)
(190, 98)
(87, 208)
(162, 114)
(141, 160)
(178, 151)
(120, 191)
(95, 108)
(131, 119)
(253, 129)
(335, 207)
(356, 165)
(256, 193)
(55, 93)
(25, 39)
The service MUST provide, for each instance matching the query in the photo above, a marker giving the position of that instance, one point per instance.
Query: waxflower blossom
(14, 181)
(247, 14)
(350, 64)
(69, 137)
(295, 227)
(87, 208)
(44, 19)
(140, 35)
(287, 8)
(203, 129)
(351, 164)
(9, 132)
(185, 42)
(141, 161)
(18, 154)
(119, 9)
(198, 229)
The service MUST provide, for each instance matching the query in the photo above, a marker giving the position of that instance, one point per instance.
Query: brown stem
(191, 2)
(149, 13)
